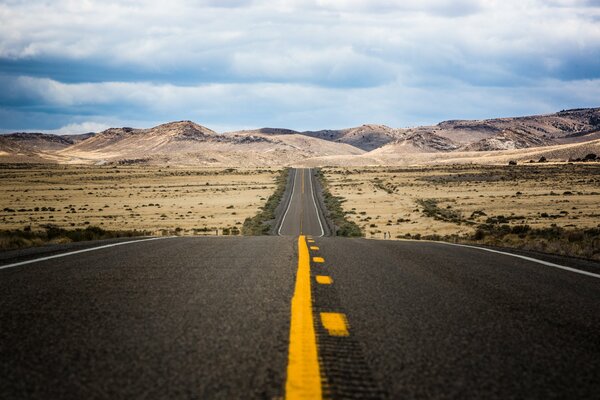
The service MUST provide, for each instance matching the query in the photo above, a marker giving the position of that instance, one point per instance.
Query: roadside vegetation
(432, 209)
(21, 238)
(544, 207)
(582, 243)
(497, 232)
(343, 226)
(261, 223)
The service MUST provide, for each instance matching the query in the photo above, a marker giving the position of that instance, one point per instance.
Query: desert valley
(452, 181)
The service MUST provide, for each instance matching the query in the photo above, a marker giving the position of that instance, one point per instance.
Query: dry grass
(159, 200)
(455, 201)
(16, 239)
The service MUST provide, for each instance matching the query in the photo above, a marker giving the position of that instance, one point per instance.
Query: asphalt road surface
(226, 318)
(302, 216)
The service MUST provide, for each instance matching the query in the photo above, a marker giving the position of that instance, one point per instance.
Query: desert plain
(390, 200)
(446, 200)
(158, 200)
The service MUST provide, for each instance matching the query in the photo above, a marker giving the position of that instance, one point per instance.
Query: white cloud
(280, 35)
(305, 106)
(77, 128)
(298, 63)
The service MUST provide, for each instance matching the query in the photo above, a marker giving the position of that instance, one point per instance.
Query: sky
(74, 66)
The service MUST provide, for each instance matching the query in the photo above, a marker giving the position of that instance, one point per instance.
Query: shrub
(431, 209)
(13, 239)
(260, 224)
(342, 225)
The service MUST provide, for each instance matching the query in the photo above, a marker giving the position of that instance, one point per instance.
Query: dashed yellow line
(324, 280)
(335, 323)
(303, 373)
(318, 259)
(314, 248)
(310, 241)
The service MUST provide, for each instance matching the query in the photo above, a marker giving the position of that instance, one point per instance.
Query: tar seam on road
(535, 260)
(315, 203)
(78, 252)
(289, 203)
(303, 371)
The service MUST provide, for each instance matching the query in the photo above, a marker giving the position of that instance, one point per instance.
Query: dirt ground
(162, 200)
(385, 199)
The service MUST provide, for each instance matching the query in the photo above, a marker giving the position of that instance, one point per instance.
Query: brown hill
(28, 147)
(417, 142)
(565, 127)
(555, 153)
(365, 137)
(25, 142)
(185, 142)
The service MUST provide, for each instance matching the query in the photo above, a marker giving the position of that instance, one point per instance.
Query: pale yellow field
(157, 199)
(385, 199)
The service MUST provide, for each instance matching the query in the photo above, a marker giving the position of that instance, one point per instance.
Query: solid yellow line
(335, 323)
(303, 373)
(324, 280)
(302, 181)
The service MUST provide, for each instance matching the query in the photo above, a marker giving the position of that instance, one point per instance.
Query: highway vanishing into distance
(298, 314)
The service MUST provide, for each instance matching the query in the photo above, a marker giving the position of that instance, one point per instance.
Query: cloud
(381, 60)
(292, 105)
(76, 128)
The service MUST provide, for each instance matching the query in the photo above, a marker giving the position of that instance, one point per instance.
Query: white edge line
(78, 252)
(535, 260)
(289, 202)
(315, 203)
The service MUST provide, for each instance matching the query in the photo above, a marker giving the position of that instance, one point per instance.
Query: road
(292, 315)
(302, 216)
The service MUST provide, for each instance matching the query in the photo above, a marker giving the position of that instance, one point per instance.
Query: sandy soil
(157, 199)
(385, 199)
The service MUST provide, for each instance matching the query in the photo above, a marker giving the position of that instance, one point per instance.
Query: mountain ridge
(187, 142)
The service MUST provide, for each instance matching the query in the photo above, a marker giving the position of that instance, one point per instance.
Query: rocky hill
(185, 142)
(564, 127)
(365, 137)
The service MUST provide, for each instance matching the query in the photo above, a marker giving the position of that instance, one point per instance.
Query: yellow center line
(324, 280)
(335, 323)
(303, 373)
(318, 259)
(314, 248)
